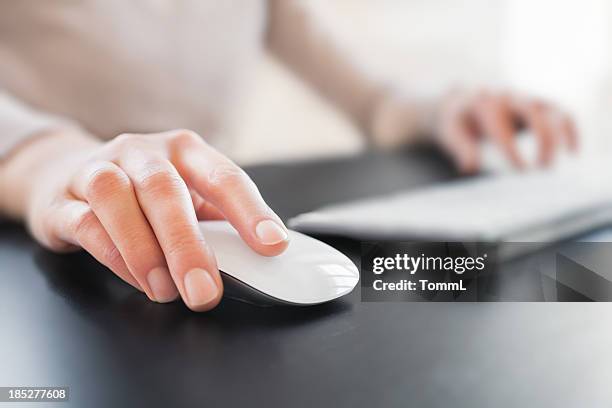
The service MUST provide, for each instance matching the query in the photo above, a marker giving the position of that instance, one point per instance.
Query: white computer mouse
(308, 272)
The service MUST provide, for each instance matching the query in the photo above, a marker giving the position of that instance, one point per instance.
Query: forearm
(293, 38)
(20, 169)
(383, 115)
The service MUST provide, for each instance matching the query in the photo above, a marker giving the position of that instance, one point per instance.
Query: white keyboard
(536, 206)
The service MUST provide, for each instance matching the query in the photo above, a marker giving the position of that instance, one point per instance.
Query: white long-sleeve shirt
(113, 66)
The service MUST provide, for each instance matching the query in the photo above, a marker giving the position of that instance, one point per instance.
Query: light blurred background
(558, 49)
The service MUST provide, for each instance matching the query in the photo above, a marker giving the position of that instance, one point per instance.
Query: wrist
(32, 164)
(399, 119)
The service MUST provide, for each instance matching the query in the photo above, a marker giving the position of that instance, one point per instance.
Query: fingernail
(161, 285)
(270, 233)
(200, 287)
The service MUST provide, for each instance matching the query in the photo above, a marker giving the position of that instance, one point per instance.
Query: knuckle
(537, 106)
(42, 227)
(505, 99)
(123, 139)
(226, 176)
(181, 245)
(567, 120)
(123, 143)
(185, 136)
(106, 182)
(160, 180)
(45, 234)
(482, 96)
(111, 255)
(84, 224)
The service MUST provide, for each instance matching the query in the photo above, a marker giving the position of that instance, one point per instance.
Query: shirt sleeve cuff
(19, 123)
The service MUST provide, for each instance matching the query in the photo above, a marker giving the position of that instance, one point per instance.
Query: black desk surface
(66, 321)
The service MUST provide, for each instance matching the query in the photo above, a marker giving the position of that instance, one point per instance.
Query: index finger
(496, 120)
(166, 203)
(225, 185)
(538, 118)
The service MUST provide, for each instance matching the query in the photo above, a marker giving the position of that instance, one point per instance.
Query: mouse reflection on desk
(309, 272)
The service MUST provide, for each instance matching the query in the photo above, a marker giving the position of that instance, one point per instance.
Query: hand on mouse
(134, 204)
(461, 119)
